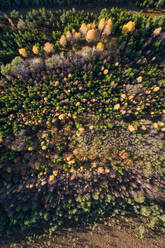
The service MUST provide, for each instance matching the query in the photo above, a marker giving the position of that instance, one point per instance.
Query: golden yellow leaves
(51, 178)
(89, 32)
(108, 28)
(156, 89)
(56, 83)
(105, 71)
(123, 96)
(30, 148)
(90, 26)
(130, 97)
(83, 29)
(77, 104)
(123, 112)
(44, 135)
(63, 41)
(157, 31)
(43, 182)
(139, 79)
(117, 106)
(128, 28)
(44, 147)
(48, 47)
(22, 51)
(161, 124)
(91, 35)
(158, 124)
(107, 170)
(132, 128)
(100, 170)
(155, 125)
(71, 162)
(101, 24)
(35, 49)
(69, 75)
(61, 117)
(105, 26)
(81, 129)
(11, 22)
(100, 46)
(77, 36)
(29, 186)
(69, 158)
(55, 173)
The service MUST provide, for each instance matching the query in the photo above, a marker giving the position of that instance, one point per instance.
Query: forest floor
(125, 232)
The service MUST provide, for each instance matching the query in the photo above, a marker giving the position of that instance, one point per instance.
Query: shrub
(157, 31)
(77, 36)
(16, 66)
(91, 35)
(22, 51)
(100, 46)
(55, 60)
(48, 47)
(21, 24)
(83, 29)
(35, 49)
(6, 69)
(63, 41)
(128, 28)
(108, 28)
(101, 24)
(68, 36)
(19, 66)
(17, 61)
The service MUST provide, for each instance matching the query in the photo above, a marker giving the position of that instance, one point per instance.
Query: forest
(82, 117)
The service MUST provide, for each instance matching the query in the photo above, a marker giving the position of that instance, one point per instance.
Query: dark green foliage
(7, 47)
(151, 3)
(5, 4)
(26, 3)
